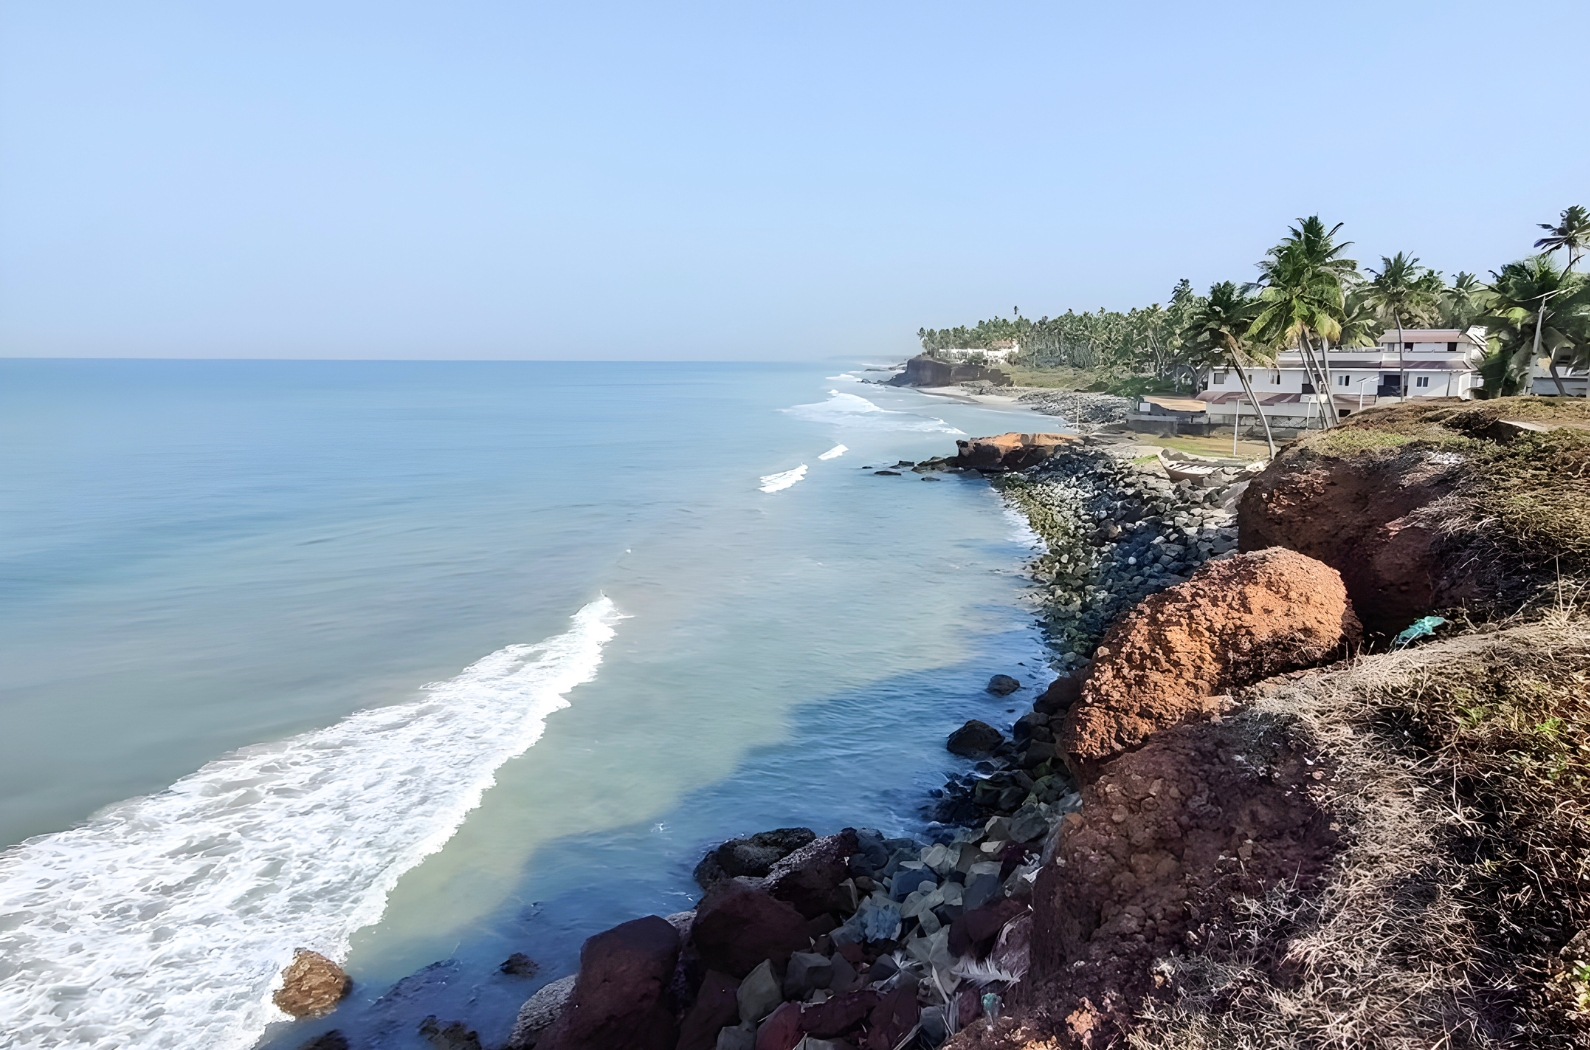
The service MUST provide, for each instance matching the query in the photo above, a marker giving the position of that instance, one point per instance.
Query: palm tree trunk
(1325, 366)
(1540, 322)
(1562, 391)
(1242, 377)
(1327, 412)
(1402, 367)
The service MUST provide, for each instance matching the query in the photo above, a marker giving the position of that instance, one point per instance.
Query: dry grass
(1519, 507)
(1461, 787)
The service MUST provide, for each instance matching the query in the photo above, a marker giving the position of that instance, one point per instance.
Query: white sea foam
(844, 375)
(164, 921)
(850, 410)
(1021, 530)
(834, 453)
(776, 482)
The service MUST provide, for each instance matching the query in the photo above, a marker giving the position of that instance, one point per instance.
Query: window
(1218, 379)
(1344, 380)
(1407, 346)
(1422, 381)
(1275, 379)
(1451, 348)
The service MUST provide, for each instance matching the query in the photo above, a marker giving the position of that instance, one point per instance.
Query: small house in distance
(1568, 382)
(1437, 362)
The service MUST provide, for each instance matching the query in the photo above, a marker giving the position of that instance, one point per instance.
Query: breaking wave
(776, 482)
(850, 410)
(165, 920)
(834, 453)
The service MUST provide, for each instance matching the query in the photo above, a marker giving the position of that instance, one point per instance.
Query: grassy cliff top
(1530, 489)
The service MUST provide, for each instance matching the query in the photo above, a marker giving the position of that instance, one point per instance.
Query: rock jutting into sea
(927, 371)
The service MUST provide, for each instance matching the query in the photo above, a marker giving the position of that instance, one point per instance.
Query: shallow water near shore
(650, 629)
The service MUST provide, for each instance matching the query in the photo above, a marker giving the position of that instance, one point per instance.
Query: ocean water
(421, 664)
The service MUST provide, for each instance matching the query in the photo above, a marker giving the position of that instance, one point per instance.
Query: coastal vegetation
(1308, 296)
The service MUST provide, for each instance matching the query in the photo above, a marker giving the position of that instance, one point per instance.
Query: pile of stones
(1019, 787)
(852, 941)
(1116, 529)
(1085, 412)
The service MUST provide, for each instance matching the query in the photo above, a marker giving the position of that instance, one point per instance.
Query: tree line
(1310, 296)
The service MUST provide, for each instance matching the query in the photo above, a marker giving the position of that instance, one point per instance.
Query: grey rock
(737, 1037)
(871, 854)
(1037, 753)
(975, 739)
(1027, 824)
(1003, 685)
(540, 1010)
(980, 889)
(845, 977)
(907, 880)
(807, 972)
(759, 994)
(878, 920)
(753, 856)
(1050, 788)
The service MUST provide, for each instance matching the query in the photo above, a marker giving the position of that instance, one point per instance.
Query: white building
(1438, 362)
(993, 354)
(1575, 381)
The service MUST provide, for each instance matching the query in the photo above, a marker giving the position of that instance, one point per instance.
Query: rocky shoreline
(1145, 808)
(859, 941)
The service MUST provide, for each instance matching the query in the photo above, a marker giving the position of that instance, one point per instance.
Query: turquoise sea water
(421, 664)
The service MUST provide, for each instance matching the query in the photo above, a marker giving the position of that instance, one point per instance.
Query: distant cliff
(926, 371)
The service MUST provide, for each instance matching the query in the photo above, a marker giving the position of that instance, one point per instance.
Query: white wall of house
(1437, 362)
(1576, 381)
(992, 355)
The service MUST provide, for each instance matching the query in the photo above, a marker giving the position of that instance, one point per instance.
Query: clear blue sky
(590, 180)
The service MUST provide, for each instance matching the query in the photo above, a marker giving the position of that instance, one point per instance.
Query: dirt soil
(1167, 837)
(1434, 807)
(1435, 505)
(1177, 655)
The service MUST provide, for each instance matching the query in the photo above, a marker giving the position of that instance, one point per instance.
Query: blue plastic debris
(1423, 627)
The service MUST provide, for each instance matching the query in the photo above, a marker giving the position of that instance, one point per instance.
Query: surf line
(777, 482)
(167, 919)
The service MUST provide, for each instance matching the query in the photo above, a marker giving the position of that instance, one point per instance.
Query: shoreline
(1206, 782)
(987, 825)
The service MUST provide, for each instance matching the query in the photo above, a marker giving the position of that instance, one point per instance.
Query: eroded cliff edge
(1390, 850)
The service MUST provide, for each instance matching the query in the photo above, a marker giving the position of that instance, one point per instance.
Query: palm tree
(1401, 289)
(1304, 282)
(1361, 323)
(1462, 302)
(1219, 328)
(1572, 233)
(1536, 306)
